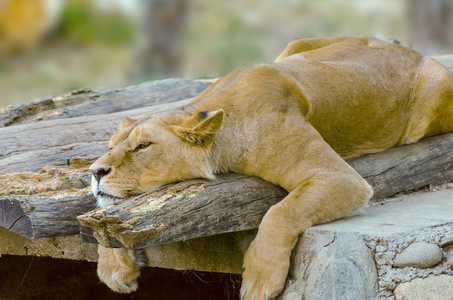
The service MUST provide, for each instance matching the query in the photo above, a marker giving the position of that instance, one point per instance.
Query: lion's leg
(432, 102)
(443, 114)
(323, 198)
(119, 269)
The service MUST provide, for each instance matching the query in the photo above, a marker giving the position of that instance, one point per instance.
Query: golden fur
(291, 122)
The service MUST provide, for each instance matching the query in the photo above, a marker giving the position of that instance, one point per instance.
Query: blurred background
(50, 47)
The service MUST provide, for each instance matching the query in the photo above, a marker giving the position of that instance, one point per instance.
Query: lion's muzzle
(99, 173)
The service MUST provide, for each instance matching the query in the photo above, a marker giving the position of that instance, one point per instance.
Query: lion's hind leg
(442, 121)
(432, 102)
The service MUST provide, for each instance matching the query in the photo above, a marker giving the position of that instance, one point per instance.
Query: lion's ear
(201, 128)
(126, 122)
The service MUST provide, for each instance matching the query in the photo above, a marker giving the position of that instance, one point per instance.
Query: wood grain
(31, 146)
(87, 102)
(186, 210)
(44, 217)
(409, 167)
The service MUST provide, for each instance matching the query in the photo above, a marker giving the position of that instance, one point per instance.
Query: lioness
(291, 122)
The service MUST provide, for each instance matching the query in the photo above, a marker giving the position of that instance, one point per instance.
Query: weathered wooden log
(45, 204)
(237, 202)
(67, 155)
(42, 217)
(86, 102)
(401, 169)
(183, 211)
(31, 146)
(59, 137)
(407, 168)
(182, 206)
(72, 126)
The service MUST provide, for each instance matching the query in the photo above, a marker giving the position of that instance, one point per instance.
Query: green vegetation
(85, 24)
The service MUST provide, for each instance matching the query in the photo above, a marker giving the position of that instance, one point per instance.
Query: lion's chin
(103, 199)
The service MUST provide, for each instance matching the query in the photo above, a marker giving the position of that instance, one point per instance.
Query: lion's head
(155, 150)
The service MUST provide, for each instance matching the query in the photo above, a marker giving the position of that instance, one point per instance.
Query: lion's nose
(100, 172)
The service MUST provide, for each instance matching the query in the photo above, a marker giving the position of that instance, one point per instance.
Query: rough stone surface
(385, 250)
(348, 260)
(419, 255)
(329, 270)
(430, 288)
(448, 250)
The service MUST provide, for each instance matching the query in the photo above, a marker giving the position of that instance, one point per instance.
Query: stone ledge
(353, 258)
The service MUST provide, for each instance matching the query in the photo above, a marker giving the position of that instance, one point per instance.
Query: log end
(14, 218)
(107, 230)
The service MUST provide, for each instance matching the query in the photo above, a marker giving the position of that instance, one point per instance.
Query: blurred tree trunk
(159, 48)
(431, 25)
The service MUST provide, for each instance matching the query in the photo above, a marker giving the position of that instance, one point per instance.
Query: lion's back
(359, 95)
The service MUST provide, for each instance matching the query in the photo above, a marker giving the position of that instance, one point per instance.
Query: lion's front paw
(117, 268)
(265, 271)
(120, 279)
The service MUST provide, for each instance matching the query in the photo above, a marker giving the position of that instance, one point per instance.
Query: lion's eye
(142, 146)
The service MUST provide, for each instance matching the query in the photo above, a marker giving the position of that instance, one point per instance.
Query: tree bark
(44, 217)
(87, 102)
(185, 210)
(408, 168)
(31, 146)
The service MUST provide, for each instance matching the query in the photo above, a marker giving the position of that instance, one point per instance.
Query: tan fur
(291, 122)
(118, 268)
